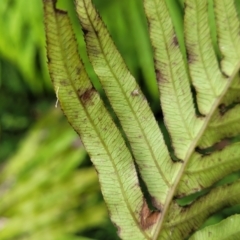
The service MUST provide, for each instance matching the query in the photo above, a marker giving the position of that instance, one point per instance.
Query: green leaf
(175, 94)
(227, 229)
(188, 130)
(203, 171)
(129, 104)
(200, 105)
(228, 34)
(224, 124)
(88, 116)
(204, 71)
(183, 220)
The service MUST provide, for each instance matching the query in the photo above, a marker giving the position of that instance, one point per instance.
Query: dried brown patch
(87, 95)
(64, 82)
(159, 76)
(147, 217)
(190, 57)
(221, 145)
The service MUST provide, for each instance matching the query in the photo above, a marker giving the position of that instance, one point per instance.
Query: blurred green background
(48, 187)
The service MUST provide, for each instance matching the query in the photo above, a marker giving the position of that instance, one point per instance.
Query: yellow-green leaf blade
(181, 220)
(222, 125)
(130, 105)
(88, 116)
(233, 94)
(205, 73)
(205, 170)
(175, 94)
(228, 27)
(227, 229)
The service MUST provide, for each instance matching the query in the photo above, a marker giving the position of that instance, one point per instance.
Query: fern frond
(181, 221)
(222, 125)
(228, 26)
(204, 143)
(129, 104)
(204, 71)
(175, 94)
(205, 170)
(227, 229)
(232, 96)
(88, 116)
(186, 129)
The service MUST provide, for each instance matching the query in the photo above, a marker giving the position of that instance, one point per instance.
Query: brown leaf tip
(147, 217)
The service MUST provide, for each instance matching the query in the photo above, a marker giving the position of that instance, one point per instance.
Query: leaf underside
(227, 229)
(204, 129)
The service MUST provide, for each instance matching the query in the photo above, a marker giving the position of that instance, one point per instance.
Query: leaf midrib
(192, 146)
(202, 56)
(172, 74)
(130, 106)
(192, 149)
(100, 137)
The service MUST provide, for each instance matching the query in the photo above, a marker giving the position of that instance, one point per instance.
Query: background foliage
(48, 187)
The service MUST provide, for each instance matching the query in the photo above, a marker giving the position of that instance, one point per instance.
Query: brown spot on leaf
(221, 145)
(64, 82)
(159, 76)
(147, 217)
(87, 95)
(190, 57)
(175, 41)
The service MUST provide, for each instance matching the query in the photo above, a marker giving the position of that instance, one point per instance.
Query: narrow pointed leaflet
(130, 105)
(88, 116)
